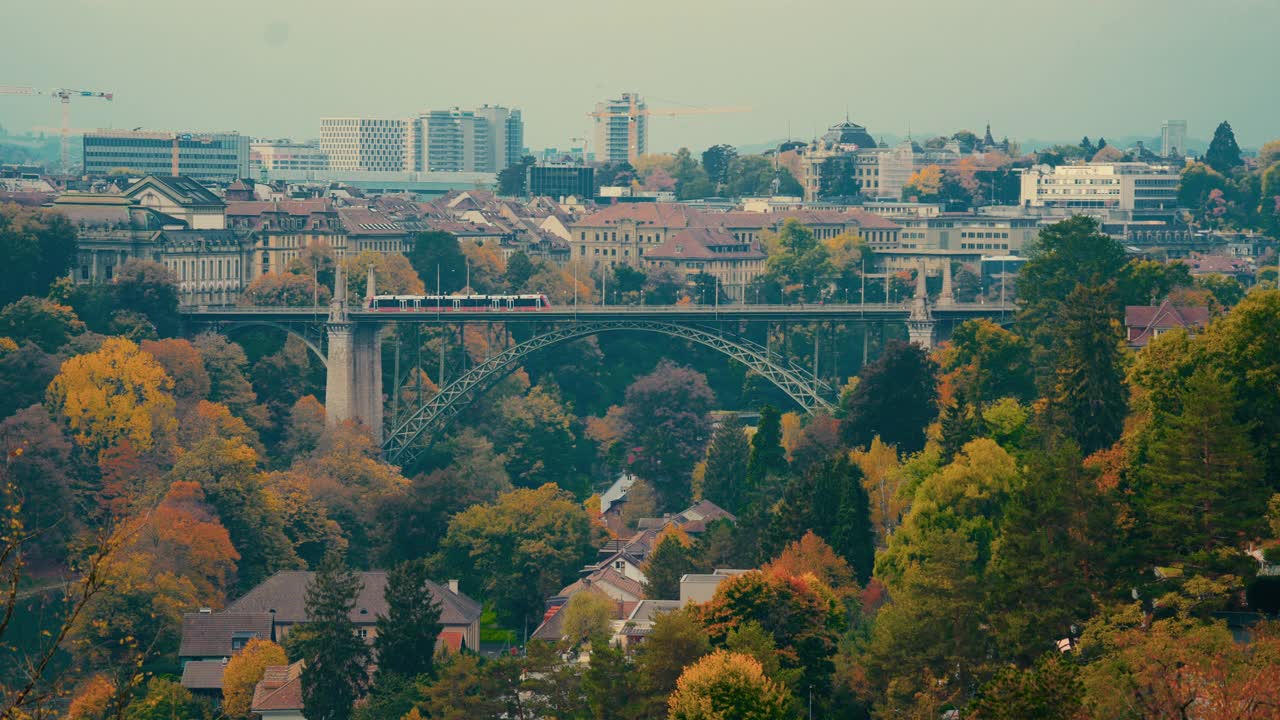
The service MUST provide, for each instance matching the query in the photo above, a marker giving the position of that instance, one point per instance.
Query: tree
(226, 362)
(611, 687)
(1088, 391)
(1050, 690)
(537, 431)
(117, 393)
(284, 290)
(392, 275)
(724, 482)
(167, 700)
(405, 643)
(43, 322)
(725, 686)
(924, 185)
(511, 179)
(881, 477)
(466, 688)
(519, 269)
(675, 641)
(243, 672)
(668, 419)
(1223, 154)
(810, 555)
(1203, 486)
(181, 362)
(518, 550)
(588, 618)
(334, 674)
(984, 362)
(25, 373)
(36, 248)
(767, 456)
(895, 399)
(663, 568)
(716, 160)
(437, 255)
(150, 289)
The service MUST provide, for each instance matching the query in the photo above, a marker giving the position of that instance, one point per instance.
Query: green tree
(406, 641)
(467, 687)
(588, 618)
(511, 180)
(767, 456)
(986, 362)
(1203, 486)
(728, 686)
(1049, 690)
(1223, 154)
(36, 248)
(43, 322)
(518, 550)
(610, 685)
(724, 481)
(664, 567)
(167, 700)
(853, 536)
(537, 431)
(150, 289)
(519, 269)
(676, 641)
(1088, 392)
(896, 399)
(335, 675)
(716, 160)
(436, 256)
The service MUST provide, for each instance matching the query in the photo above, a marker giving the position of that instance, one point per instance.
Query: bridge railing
(727, 308)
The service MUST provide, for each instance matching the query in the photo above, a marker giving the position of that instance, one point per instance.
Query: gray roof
(285, 595)
(208, 635)
(203, 674)
(648, 610)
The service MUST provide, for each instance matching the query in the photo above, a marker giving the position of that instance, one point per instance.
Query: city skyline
(1028, 82)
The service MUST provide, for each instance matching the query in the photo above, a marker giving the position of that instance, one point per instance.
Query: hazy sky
(1033, 68)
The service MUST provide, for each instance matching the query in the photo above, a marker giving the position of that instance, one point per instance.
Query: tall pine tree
(725, 480)
(406, 639)
(668, 562)
(1223, 154)
(334, 675)
(1089, 394)
(767, 456)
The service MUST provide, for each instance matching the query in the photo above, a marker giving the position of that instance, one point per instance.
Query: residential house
(278, 696)
(1144, 323)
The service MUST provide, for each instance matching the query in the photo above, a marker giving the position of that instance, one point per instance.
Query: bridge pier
(367, 386)
(353, 382)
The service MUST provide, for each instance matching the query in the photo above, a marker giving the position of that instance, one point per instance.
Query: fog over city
(1036, 70)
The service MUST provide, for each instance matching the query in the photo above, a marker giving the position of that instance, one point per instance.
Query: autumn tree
(186, 539)
(226, 364)
(895, 399)
(117, 393)
(392, 275)
(668, 424)
(243, 672)
(44, 322)
(881, 477)
(588, 618)
(810, 555)
(285, 289)
(166, 699)
(334, 675)
(37, 246)
(181, 362)
(518, 550)
(726, 685)
(984, 362)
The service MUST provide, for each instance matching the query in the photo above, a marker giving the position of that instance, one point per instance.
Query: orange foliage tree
(185, 538)
(726, 685)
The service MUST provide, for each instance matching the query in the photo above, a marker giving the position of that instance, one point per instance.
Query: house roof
(250, 208)
(210, 634)
(203, 674)
(1149, 319)
(605, 576)
(657, 214)
(646, 611)
(180, 188)
(702, 243)
(365, 222)
(284, 595)
(279, 689)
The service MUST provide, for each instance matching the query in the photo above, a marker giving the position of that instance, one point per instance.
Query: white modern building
(1173, 139)
(1125, 186)
(270, 156)
(621, 129)
(365, 144)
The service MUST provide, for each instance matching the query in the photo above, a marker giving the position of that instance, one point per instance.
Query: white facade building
(1126, 186)
(269, 156)
(1173, 139)
(365, 144)
(622, 129)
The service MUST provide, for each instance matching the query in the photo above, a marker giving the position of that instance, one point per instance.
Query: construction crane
(64, 96)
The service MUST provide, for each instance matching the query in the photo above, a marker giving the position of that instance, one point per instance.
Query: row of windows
(984, 246)
(984, 235)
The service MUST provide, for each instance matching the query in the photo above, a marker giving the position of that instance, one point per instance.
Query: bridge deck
(562, 313)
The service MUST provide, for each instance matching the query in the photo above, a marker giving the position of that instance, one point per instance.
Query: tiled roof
(279, 689)
(284, 594)
(657, 214)
(210, 634)
(180, 187)
(203, 674)
(363, 221)
(253, 208)
(1147, 320)
(606, 576)
(699, 244)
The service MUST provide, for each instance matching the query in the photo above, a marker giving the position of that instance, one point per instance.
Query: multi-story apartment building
(210, 157)
(621, 129)
(366, 144)
(274, 233)
(1124, 186)
(506, 136)
(451, 140)
(1173, 139)
(732, 261)
(270, 156)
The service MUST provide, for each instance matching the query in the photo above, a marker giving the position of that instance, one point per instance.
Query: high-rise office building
(366, 144)
(1173, 138)
(451, 140)
(622, 129)
(506, 133)
(214, 157)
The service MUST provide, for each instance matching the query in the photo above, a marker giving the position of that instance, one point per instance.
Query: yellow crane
(634, 112)
(64, 96)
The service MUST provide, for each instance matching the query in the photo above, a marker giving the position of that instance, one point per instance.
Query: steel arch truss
(311, 334)
(405, 441)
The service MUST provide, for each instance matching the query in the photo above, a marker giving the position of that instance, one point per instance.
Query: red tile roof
(279, 689)
(1144, 322)
(292, 207)
(700, 244)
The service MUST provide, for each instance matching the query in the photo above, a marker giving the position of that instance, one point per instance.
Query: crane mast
(64, 96)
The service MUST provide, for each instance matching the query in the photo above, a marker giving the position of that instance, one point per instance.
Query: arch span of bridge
(287, 328)
(404, 442)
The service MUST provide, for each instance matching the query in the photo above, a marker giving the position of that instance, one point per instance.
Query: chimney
(453, 586)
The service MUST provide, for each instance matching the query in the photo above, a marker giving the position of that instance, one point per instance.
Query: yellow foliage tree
(90, 702)
(881, 477)
(927, 181)
(392, 275)
(117, 393)
(790, 432)
(725, 685)
(486, 264)
(244, 671)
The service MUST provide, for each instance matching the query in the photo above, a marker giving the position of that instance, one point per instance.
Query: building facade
(366, 144)
(1173, 139)
(1125, 186)
(621, 129)
(998, 235)
(270, 156)
(558, 180)
(210, 157)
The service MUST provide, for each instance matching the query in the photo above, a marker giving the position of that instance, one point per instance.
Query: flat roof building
(1126, 186)
(209, 157)
(270, 156)
(365, 144)
(560, 180)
